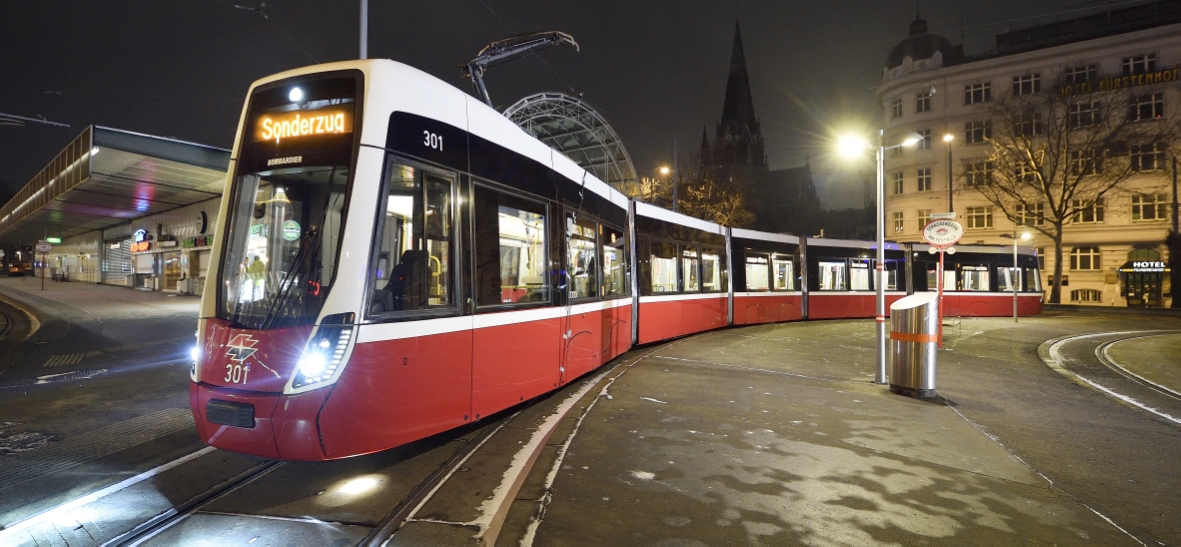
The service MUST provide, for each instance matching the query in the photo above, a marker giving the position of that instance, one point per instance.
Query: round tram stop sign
(43, 247)
(943, 232)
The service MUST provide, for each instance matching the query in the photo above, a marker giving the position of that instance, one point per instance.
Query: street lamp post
(1015, 278)
(853, 146)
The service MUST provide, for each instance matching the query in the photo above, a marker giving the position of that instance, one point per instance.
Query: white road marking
(653, 400)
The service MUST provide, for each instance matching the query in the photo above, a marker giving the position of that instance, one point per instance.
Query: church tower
(738, 139)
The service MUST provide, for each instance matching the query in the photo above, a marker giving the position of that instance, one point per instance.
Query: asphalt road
(763, 435)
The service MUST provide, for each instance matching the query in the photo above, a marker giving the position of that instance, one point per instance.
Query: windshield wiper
(315, 236)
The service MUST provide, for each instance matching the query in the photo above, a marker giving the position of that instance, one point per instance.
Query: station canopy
(106, 177)
(571, 126)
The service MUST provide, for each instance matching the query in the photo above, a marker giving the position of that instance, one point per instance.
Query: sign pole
(43, 247)
(940, 285)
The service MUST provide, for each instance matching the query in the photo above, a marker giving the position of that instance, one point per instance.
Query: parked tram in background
(394, 259)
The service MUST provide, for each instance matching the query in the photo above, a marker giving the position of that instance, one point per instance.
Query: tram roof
(106, 177)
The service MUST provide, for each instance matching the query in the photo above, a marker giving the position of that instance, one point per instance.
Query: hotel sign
(1144, 266)
(1121, 82)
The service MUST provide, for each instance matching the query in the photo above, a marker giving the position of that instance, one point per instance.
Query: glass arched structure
(571, 126)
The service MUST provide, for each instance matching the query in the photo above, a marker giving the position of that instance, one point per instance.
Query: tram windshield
(281, 246)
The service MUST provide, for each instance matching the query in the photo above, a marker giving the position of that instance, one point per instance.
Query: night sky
(655, 69)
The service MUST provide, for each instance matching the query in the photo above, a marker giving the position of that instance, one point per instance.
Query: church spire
(738, 110)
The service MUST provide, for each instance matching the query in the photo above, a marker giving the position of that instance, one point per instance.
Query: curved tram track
(1085, 359)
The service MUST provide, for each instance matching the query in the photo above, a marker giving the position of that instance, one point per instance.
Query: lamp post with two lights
(853, 146)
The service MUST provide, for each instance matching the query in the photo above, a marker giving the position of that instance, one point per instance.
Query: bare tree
(716, 194)
(1056, 155)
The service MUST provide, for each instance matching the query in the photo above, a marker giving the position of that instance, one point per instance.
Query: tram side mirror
(260, 211)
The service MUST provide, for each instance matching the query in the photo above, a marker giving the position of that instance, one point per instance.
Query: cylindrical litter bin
(914, 328)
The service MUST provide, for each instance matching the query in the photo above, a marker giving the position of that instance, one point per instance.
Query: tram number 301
(236, 374)
(432, 140)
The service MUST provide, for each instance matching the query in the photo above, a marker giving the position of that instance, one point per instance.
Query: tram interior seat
(408, 288)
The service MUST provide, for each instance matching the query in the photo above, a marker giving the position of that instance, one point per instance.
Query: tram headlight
(323, 354)
(195, 354)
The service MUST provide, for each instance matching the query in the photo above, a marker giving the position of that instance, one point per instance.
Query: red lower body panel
(284, 425)
(770, 308)
(961, 304)
(846, 305)
(397, 391)
(664, 319)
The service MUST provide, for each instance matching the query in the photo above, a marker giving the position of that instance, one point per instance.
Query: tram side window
(784, 268)
(581, 266)
(1005, 279)
(511, 251)
(690, 267)
(859, 275)
(1033, 280)
(949, 278)
(713, 271)
(413, 267)
(832, 276)
(664, 267)
(975, 278)
(894, 270)
(757, 272)
(615, 272)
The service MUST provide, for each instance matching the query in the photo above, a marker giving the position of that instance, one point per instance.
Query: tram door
(171, 271)
(1144, 289)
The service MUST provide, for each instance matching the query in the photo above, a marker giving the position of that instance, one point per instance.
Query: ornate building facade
(1114, 254)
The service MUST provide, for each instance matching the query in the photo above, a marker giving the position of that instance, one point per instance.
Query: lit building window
(924, 218)
(1085, 258)
(1086, 295)
(899, 224)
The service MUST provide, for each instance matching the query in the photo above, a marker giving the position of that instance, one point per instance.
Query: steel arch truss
(571, 126)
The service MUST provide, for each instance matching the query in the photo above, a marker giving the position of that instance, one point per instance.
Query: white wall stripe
(674, 297)
(377, 332)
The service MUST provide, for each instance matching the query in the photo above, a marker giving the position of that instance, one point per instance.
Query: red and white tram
(393, 258)
(766, 276)
(840, 277)
(683, 281)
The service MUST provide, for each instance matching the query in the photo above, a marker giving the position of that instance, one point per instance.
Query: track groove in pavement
(92, 445)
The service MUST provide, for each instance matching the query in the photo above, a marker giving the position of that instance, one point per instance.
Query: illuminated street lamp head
(1027, 236)
(852, 146)
(912, 139)
(664, 170)
(948, 137)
